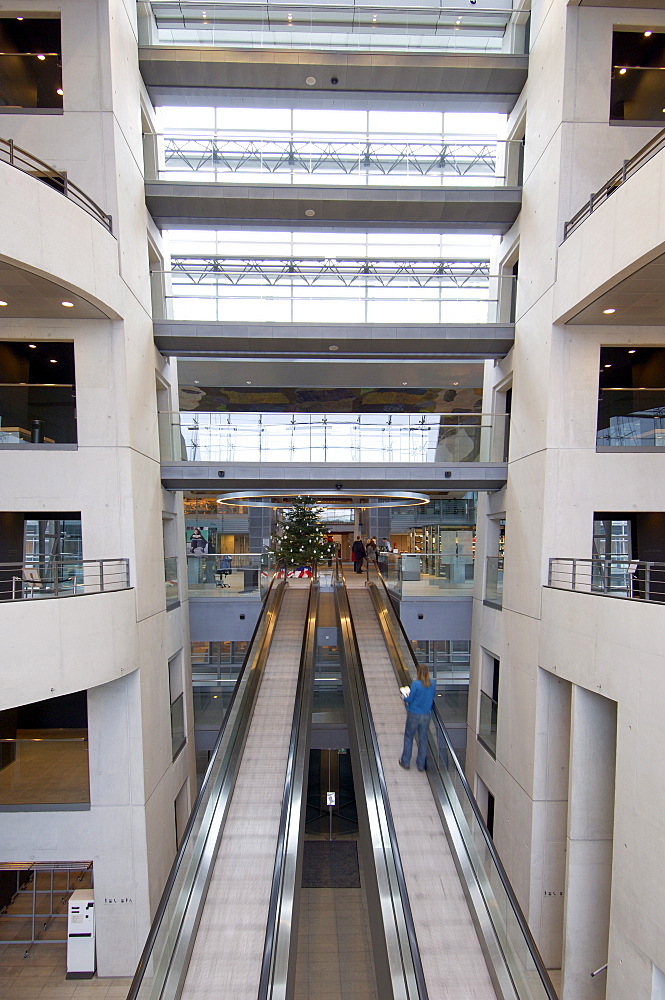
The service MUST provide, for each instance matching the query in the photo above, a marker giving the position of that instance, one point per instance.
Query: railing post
(101, 575)
(624, 171)
(591, 203)
(647, 581)
(573, 574)
(11, 152)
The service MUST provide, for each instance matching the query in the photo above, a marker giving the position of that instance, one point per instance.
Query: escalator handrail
(297, 750)
(421, 984)
(501, 872)
(175, 867)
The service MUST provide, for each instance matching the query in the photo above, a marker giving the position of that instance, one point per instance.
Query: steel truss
(221, 154)
(205, 270)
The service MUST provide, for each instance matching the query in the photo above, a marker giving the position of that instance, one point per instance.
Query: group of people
(367, 550)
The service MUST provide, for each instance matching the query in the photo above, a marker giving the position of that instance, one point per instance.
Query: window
(177, 698)
(30, 63)
(638, 76)
(489, 703)
(631, 398)
(37, 392)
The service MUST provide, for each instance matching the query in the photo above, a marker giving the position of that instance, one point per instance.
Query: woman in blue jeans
(418, 703)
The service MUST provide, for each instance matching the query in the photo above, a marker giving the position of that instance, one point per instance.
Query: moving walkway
(443, 919)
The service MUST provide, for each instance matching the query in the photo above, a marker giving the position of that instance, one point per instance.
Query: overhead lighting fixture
(41, 58)
(608, 312)
(59, 91)
(310, 213)
(196, 381)
(405, 383)
(248, 383)
(632, 352)
(648, 34)
(607, 366)
(19, 18)
(333, 347)
(310, 80)
(32, 345)
(455, 383)
(67, 305)
(53, 361)
(3, 303)
(623, 70)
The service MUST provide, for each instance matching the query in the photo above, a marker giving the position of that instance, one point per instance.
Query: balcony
(615, 576)
(54, 578)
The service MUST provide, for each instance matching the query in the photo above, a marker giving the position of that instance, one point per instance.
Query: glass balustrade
(631, 418)
(239, 574)
(335, 438)
(45, 768)
(335, 26)
(37, 414)
(414, 574)
(487, 722)
(281, 290)
(494, 581)
(171, 582)
(422, 161)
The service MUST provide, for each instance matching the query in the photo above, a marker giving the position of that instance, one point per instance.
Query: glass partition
(285, 438)
(487, 724)
(631, 418)
(37, 414)
(414, 574)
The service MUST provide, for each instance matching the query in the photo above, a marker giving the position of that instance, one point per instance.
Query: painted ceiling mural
(253, 399)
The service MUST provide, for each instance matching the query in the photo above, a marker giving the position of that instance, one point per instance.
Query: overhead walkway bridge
(443, 919)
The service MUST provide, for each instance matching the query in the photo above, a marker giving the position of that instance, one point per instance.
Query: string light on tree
(301, 536)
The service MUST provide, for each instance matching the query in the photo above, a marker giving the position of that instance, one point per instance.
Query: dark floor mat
(330, 865)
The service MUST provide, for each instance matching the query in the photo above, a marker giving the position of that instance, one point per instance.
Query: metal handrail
(642, 579)
(353, 654)
(111, 575)
(628, 168)
(16, 157)
(252, 658)
(395, 622)
(279, 942)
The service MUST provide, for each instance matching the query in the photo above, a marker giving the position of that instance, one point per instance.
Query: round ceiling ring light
(338, 498)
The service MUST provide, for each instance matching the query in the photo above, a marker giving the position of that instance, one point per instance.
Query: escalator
(442, 918)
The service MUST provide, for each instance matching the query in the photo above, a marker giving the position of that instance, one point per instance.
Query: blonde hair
(422, 674)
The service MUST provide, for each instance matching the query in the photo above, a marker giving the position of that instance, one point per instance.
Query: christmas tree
(301, 538)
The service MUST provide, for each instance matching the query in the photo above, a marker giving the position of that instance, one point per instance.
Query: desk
(14, 435)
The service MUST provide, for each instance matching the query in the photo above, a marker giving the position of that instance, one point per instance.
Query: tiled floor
(41, 976)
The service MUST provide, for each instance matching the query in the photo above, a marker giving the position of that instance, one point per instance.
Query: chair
(31, 580)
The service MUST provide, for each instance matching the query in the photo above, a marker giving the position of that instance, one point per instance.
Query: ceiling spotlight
(333, 347)
(648, 34)
(19, 18)
(310, 213)
(607, 366)
(632, 352)
(310, 80)
(41, 58)
(455, 383)
(32, 345)
(623, 70)
(67, 305)
(3, 303)
(248, 383)
(59, 91)
(196, 381)
(405, 383)
(53, 361)
(608, 312)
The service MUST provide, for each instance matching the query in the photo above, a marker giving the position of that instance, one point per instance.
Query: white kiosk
(81, 934)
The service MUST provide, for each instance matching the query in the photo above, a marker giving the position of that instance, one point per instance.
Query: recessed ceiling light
(59, 91)
(405, 383)
(19, 18)
(310, 213)
(623, 70)
(632, 352)
(2, 302)
(196, 381)
(310, 80)
(32, 345)
(53, 361)
(67, 305)
(455, 383)
(607, 366)
(333, 347)
(648, 34)
(248, 383)
(608, 312)
(42, 58)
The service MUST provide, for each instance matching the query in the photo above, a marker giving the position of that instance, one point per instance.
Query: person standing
(372, 551)
(418, 703)
(358, 554)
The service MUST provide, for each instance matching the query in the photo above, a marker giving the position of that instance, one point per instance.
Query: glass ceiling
(480, 26)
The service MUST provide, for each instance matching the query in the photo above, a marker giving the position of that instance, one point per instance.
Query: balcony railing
(332, 159)
(339, 438)
(494, 581)
(612, 576)
(631, 418)
(628, 168)
(57, 179)
(37, 413)
(238, 574)
(38, 579)
(413, 574)
(362, 290)
(334, 26)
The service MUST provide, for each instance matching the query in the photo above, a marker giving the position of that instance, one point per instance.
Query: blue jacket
(421, 698)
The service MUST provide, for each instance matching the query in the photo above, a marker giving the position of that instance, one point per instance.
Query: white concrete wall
(112, 477)
(555, 483)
